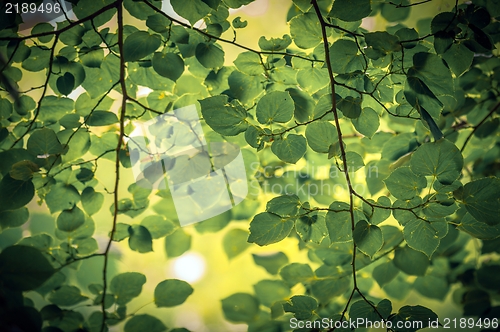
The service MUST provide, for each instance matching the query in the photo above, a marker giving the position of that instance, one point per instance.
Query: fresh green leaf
(224, 117)
(320, 135)
(350, 10)
(368, 238)
(276, 106)
(290, 149)
(410, 261)
(70, 220)
(43, 142)
(404, 184)
(481, 199)
(172, 292)
(272, 263)
(240, 307)
(144, 322)
(140, 44)
(15, 194)
(140, 239)
(169, 65)
(24, 268)
(302, 306)
(235, 242)
(267, 228)
(126, 286)
(441, 159)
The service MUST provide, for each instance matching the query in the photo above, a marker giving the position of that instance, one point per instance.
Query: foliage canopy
(404, 121)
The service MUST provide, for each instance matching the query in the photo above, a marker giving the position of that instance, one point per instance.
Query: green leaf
(431, 69)
(67, 296)
(158, 23)
(41, 28)
(240, 308)
(274, 44)
(350, 107)
(101, 118)
(312, 228)
(302, 306)
(86, 246)
(172, 292)
(70, 220)
(223, 117)
(338, 222)
(168, 65)
(422, 236)
(53, 108)
(238, 23)
(23, 170)
(24, 268)
(66, 83)
(139, 9)
(384, 273)
(140, 239)
(140, 44)
(276, 106)
(44, 141)
(272, 263)
(404, 184)
(367, 123)
(210, 55)
(320, 135)
(324, 290)
(295, 273)
(126, 286)
(193, 11)
(380, 44)
(410, 261)
(121, 232)
(267, 228)
(244, 87)
(459, 58)
(306, 30)
(144, 322)
(488, 276)
(368, 238)
(271, 291)
(62, 197)
(482, 200)
(350, 10)
(432, 287)
(91, 200)
(15, 194)
(344, 57)
(290, 149)
(441, 159)
(284, 206)
(366, 311)
(479, 229)
(414, 314)
(313, 79)
(177, 243)
(396, 11)
(249, 63)
(14, 218)
(73, 36)
(235, 242)
(38, 59)
(158, 226)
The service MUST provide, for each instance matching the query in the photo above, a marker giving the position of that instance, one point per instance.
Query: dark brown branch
(123, 85)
